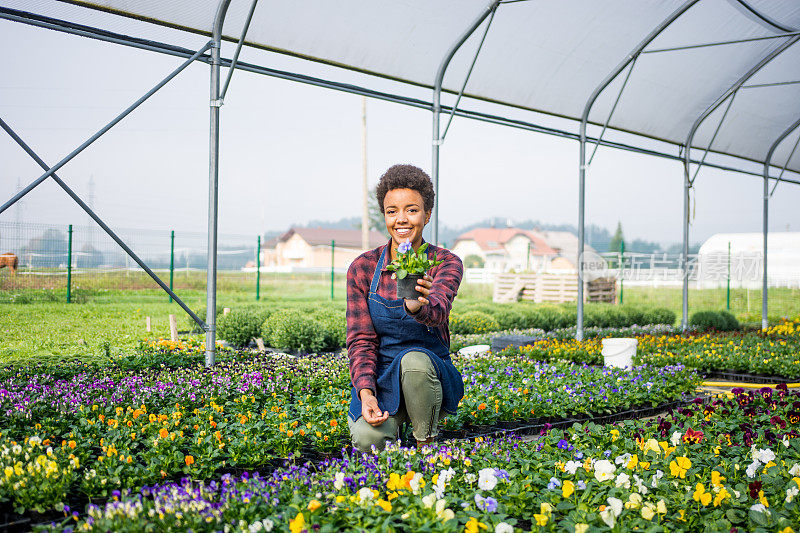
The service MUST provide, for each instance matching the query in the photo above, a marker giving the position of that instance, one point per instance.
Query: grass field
(37, 324)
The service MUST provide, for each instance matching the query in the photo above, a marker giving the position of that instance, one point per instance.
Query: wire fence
(43, 256)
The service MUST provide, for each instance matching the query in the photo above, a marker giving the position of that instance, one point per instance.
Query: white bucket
(477, 349)
(619, 352)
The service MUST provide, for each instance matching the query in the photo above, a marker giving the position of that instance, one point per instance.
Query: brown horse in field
(9, 260)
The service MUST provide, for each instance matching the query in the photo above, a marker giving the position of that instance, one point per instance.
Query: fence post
(69, 264)
(621, 268)
(333, 246)
(528, 259)
(728, 291)
(171, 260)
(258, 269)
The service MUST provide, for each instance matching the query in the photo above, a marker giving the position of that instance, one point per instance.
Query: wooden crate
(554, 288)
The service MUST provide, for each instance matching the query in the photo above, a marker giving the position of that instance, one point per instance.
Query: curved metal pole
(584, 120)
(437, 109)
(772, 149)
(213, 178)
(765, 20)
(687, 183)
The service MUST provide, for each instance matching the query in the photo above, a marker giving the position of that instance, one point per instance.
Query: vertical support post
(764, 321)
(213, 179)
(581, 228)
(333, 247)
(364, 188)
(685, 255)
(621, 268)
(171, 261)
(728, 288)
(69, 264)
(258, 269)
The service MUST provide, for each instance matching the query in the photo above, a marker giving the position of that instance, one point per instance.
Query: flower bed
(127, 428)
(775, 352)
(711, 466)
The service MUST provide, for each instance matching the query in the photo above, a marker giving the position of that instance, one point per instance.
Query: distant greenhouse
(746, 260)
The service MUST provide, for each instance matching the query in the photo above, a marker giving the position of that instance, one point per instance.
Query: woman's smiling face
(405, 216)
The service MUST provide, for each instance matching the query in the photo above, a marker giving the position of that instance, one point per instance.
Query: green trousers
(420, 405)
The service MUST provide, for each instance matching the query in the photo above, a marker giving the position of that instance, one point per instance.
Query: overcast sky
(291, 153)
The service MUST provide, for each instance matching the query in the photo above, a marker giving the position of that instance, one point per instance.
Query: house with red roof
(505, 249)
(310, 248)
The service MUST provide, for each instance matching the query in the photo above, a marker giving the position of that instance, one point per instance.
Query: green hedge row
(301, 328)
(494, 317)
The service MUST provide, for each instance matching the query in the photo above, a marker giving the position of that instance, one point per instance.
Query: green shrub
(239, 327)
(659, 315)
(334, 329)
(551, 318)
(633, 315)
(292, 330)
(729, 321)
(472, 322)
(606, 316)
(719, 320)
(509, 318)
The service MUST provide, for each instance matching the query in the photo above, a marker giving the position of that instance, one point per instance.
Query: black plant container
(406, 287)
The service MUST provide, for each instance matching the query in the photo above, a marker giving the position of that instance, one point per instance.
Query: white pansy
(486, 479)
(639, 483)
(470, 478)
(442, 512)
(785, 441)
(616, 505)
(502, 527)
(572, 466)
(759, 508)
(607, 516)
(268, 524)
(255, 527)
(604, 470)
(795, 470)
(766, 455)
(791, 493)
(414, 483)
(752, 469)
(623, 480)
(365, 494)
(338, 480)
(622, 459)
(429, 500)
(675, 439)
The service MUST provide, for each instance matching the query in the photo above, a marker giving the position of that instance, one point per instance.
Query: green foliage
(633, 315)
(474, 261)
(604, 316)
(617, 240)
(292, 330)
(511, 318)
(472, 322)
(239, 326)
(718, 320)
(334, 329)
(412, 262)
(659, 315)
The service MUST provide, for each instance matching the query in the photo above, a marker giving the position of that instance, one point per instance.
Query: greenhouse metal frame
(759, 23)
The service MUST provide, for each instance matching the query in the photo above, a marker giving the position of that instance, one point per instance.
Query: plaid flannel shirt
(362, 340)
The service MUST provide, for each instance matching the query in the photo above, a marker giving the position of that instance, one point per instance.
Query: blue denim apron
(399, 334)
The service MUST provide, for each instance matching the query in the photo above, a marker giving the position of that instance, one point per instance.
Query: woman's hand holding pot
(424, 288)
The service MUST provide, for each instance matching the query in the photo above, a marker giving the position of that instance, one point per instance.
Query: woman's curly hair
(406, 177)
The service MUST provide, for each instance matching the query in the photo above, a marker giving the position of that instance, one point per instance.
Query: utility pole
(364, 189)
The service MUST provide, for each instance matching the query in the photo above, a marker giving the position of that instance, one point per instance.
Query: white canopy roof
(546, 56)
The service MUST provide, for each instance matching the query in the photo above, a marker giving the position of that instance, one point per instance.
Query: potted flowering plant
(410, 267)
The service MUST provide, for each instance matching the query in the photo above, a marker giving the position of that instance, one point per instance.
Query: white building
(746, 265)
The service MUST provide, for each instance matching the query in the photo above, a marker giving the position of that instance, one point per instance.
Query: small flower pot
(406, 287)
